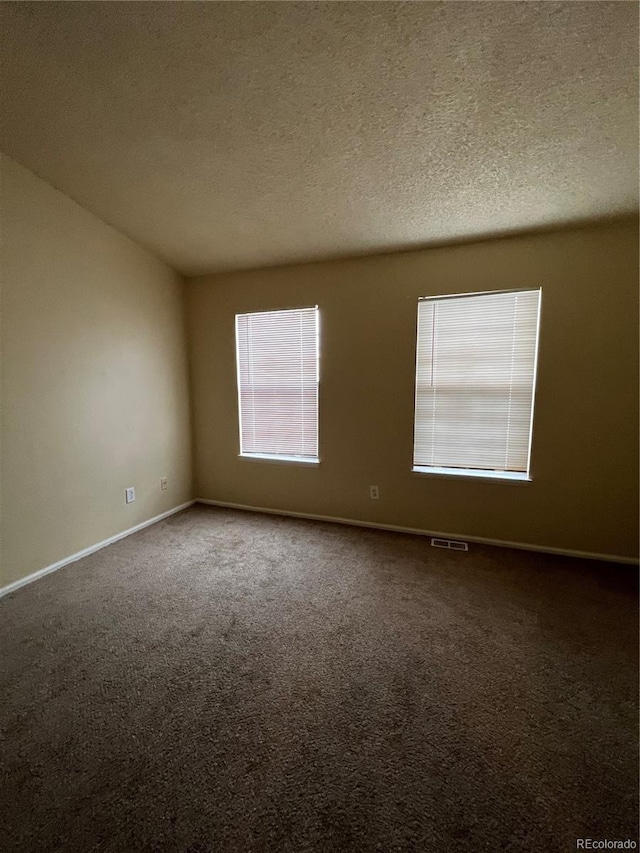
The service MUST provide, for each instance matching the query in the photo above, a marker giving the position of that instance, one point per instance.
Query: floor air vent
(450, 543)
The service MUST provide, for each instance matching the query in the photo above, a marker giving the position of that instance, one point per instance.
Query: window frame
(479, 474)
(279, 458)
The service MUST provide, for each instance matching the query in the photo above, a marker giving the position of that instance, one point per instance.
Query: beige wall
(584, 494)
(95, 396)
(94, 379)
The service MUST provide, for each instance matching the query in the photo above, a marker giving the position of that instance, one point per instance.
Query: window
(277, 361)
(475, 379)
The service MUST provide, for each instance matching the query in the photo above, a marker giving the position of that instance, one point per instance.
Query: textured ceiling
(234, 135)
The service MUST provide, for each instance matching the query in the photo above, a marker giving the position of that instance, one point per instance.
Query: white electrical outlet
(374, 493)
(130, 495)
(163, 483)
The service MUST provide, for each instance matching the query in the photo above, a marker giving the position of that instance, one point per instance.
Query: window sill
(277, 457)
(471, 474)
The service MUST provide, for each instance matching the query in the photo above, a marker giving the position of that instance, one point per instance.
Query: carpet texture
(226, 681)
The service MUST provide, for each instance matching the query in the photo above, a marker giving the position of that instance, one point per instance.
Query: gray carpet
(226, 681)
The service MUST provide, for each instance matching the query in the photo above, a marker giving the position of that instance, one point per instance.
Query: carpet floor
(227, 681)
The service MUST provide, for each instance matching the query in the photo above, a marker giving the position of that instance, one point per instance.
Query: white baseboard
(566, 552)
(5, 590)
(350, 521)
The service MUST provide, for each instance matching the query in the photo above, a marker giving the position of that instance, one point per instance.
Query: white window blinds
(475, 378)
(277, 360)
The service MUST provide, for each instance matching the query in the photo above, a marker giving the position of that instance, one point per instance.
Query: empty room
(319, 427)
